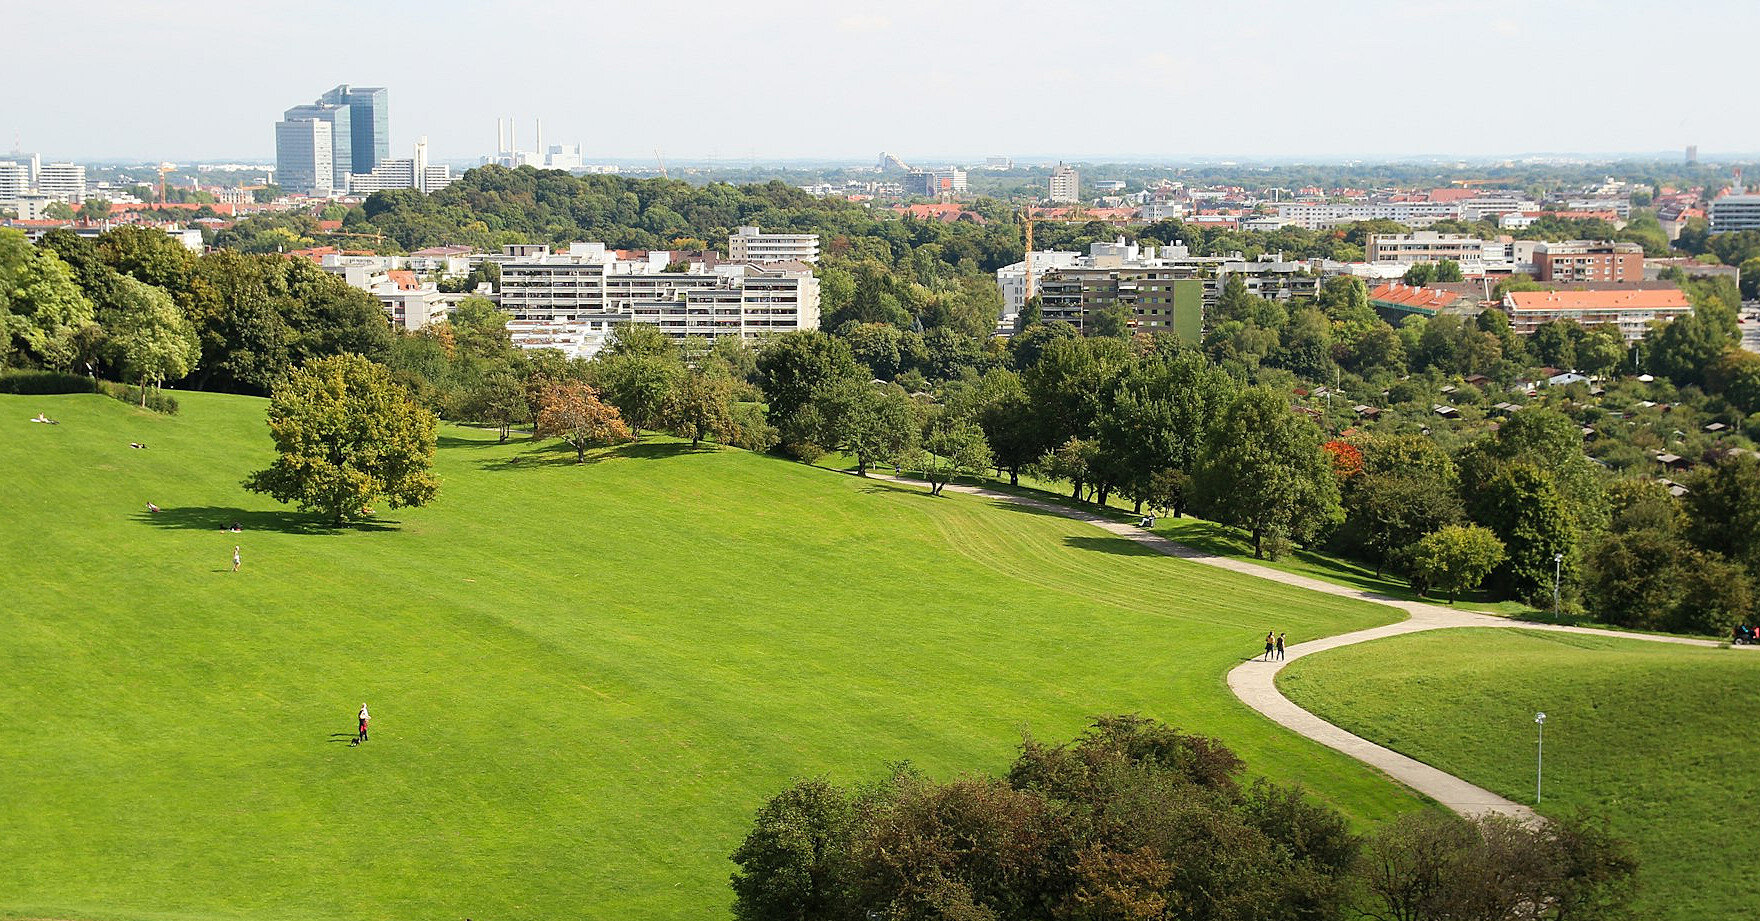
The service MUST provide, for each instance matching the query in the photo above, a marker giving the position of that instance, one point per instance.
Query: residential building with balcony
(1631, 311)
(1064, 186)
(1588, 260)
(62, 182)
(1735, 212)
(1166, 290)
(749, 244)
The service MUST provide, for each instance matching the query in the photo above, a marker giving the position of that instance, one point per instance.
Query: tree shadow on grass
(489, 440)
(1120, 546)
(218, 518)
(562, 454)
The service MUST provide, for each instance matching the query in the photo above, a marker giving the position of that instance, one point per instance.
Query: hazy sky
(208, 78)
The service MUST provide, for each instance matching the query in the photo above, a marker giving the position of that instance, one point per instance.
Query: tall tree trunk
(1258, 551)
(1014, 476)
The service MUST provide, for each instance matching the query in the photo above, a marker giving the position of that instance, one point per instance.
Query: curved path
(1254, 681)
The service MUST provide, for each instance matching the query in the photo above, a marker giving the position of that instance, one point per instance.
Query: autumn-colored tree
(573, 412)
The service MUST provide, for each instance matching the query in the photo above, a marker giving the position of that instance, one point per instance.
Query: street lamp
(1557, 568)
(1540, 756)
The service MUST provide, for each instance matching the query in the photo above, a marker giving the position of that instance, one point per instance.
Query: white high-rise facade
(305, 156)
(63, 182)
(15, 181)
(1065, 185)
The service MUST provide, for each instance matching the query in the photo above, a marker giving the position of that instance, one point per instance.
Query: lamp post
(1557, 569)
(1540, 755)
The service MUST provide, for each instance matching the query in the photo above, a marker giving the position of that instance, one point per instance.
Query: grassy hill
(584, 679)
(1663, 740)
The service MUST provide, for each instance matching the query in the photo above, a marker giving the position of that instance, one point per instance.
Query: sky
(933, 82)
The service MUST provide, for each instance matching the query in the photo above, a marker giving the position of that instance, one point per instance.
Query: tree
(1155, 419)
(795, 365)
(1454, 559)
(1723, 510)
(344, 436)
(1072, 462)
(41, 307)
(872, 423)
(572, 411)
(1448, 270)
(58, 211)
(702, 407)
(796, 862)
(1404, 488)
(641, 384)
(1007, 420)
(152, 339)
(953, 447)
(640, 339)
(1421, 273)
(1264, 471)
(500, 400)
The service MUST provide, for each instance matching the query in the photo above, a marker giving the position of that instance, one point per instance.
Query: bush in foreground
(1136, 820)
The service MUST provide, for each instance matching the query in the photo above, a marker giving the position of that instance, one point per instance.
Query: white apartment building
(1621, 207)
(1319, 216)
(748, 244)
(1065, 185)
(15, 181)
(1424, 246)
(1735, 212)
(1012, 279)
(63, 182)
(1479, 209)
(1162, 209)
(575, 300)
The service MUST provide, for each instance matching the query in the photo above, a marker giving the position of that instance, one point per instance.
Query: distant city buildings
(935, 183)
(319, 145)
(1065, 185)
(15, 181)
(411, 173)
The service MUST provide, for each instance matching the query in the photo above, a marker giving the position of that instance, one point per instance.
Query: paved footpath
(1254, 681)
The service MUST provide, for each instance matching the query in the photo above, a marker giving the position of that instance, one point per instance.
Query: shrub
(156, 400)
(32, 383)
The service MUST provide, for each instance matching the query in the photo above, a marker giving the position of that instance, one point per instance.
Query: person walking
(1280, 647)
(365, 719)
(235, 558)
(1270, 644)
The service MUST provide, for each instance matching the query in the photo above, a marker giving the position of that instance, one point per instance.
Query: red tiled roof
(1413, 297)
(405, 279)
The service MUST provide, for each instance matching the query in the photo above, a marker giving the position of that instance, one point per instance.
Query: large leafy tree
(952, 447)
(1156, 417)
(1454, 559)
(872, 423)
(641, 385)
(702, 406)
(151, 339)
(572, 411)
(1405, 487)
(345, 436)
(42, 309)
(1264, 471)
(795, 365)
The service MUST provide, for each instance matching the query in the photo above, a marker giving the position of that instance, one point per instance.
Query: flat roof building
(1065, 185)
(304, 156)
(749, 244)
(1735, 212)
(62, 182)
(1588, 260)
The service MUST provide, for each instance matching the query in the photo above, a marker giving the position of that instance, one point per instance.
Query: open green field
(584, 679)
(1664, 740)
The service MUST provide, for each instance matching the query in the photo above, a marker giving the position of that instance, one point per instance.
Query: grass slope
(1661, 739)
(584, 679)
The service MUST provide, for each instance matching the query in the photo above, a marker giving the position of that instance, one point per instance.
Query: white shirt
(364, 715)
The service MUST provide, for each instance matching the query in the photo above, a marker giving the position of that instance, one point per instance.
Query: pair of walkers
(1273, 646)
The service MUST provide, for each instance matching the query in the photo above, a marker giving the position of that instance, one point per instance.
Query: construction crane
(662, 161)
(163, 169)
(1027, 219)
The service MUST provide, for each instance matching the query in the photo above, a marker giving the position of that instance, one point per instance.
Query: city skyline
(1369, 80)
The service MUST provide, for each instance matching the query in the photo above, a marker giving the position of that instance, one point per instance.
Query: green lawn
(1664, 740)
(585, 679)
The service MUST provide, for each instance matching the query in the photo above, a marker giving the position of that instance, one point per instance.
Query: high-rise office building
(1065, 185)
(341, 120)
(305, 158)
(358, 138)
(369, 139)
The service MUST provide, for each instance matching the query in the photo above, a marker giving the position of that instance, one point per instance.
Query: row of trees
(135, 304)
(1135, 820)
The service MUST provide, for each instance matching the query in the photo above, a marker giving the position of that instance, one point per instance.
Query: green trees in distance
(1454, 559)
(345, 436)
(1138, 820)
(1265, 473)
